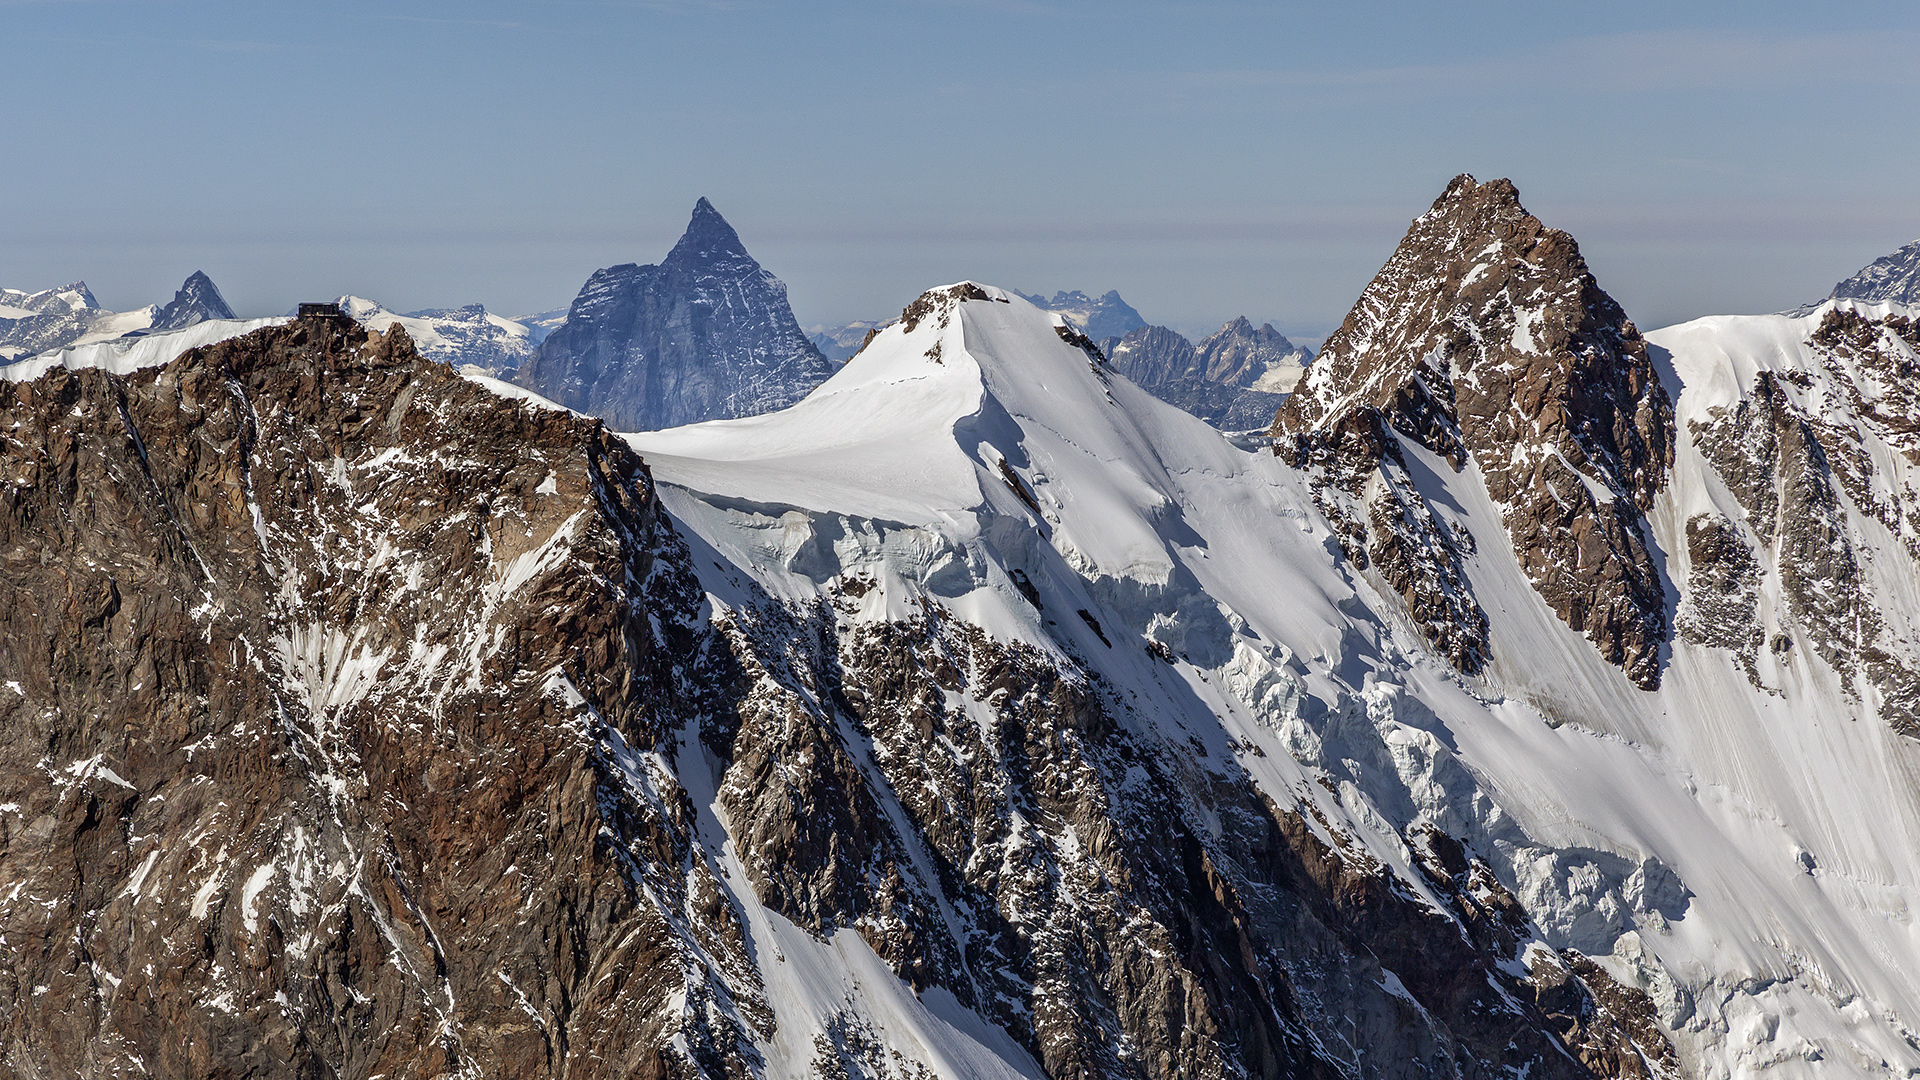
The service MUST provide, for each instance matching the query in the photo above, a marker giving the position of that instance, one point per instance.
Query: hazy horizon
(1205, 160)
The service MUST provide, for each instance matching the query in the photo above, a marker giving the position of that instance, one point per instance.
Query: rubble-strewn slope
(1485, 339)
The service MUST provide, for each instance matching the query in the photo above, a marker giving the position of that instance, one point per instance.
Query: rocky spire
(197, 301)
(705, 335)
(1486, 338)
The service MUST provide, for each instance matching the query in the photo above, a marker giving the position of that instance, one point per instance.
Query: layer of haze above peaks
(1206, 160)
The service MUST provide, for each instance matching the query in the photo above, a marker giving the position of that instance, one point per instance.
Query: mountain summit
(705, 335)
(198, 300)
(1485, 338)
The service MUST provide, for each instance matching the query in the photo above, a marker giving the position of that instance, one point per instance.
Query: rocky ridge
(707, 334)
(1486, 341)
(1891, 278)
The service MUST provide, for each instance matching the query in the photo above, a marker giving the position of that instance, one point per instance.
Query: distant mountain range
(51, 319)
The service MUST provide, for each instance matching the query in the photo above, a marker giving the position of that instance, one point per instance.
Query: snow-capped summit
(707, 333)
(1254, 359)
(31, 322)
(54, 319)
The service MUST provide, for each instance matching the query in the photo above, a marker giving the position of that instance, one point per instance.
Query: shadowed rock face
(1486, 339)
(197, 300)
(705, 335)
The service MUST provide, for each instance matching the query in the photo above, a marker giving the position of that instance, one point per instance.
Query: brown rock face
(328, 677)
(1486, 339)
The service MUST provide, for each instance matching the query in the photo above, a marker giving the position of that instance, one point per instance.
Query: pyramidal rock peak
(1485, 340)
(706, 334)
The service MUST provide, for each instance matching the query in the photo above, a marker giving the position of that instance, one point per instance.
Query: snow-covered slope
(1740, 850)
(121, 354)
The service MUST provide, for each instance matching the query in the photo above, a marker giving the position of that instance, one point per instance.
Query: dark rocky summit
(352, 720)
(705, 335)
(1486, 339)
(196, 301)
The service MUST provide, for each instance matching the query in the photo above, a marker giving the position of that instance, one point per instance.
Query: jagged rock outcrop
(197, 300)
(336, 696)
(1795, 450)
(705, 335)
(1485, 339)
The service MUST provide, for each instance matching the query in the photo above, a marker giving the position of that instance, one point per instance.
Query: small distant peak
(198, 300)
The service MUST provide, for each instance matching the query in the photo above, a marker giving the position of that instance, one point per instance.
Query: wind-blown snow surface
(121, 355)
(1748, 855)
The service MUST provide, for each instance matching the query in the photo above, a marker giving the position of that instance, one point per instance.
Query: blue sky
(1206, 159)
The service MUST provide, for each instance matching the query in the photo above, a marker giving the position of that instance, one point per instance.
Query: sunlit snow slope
(1741, 844)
